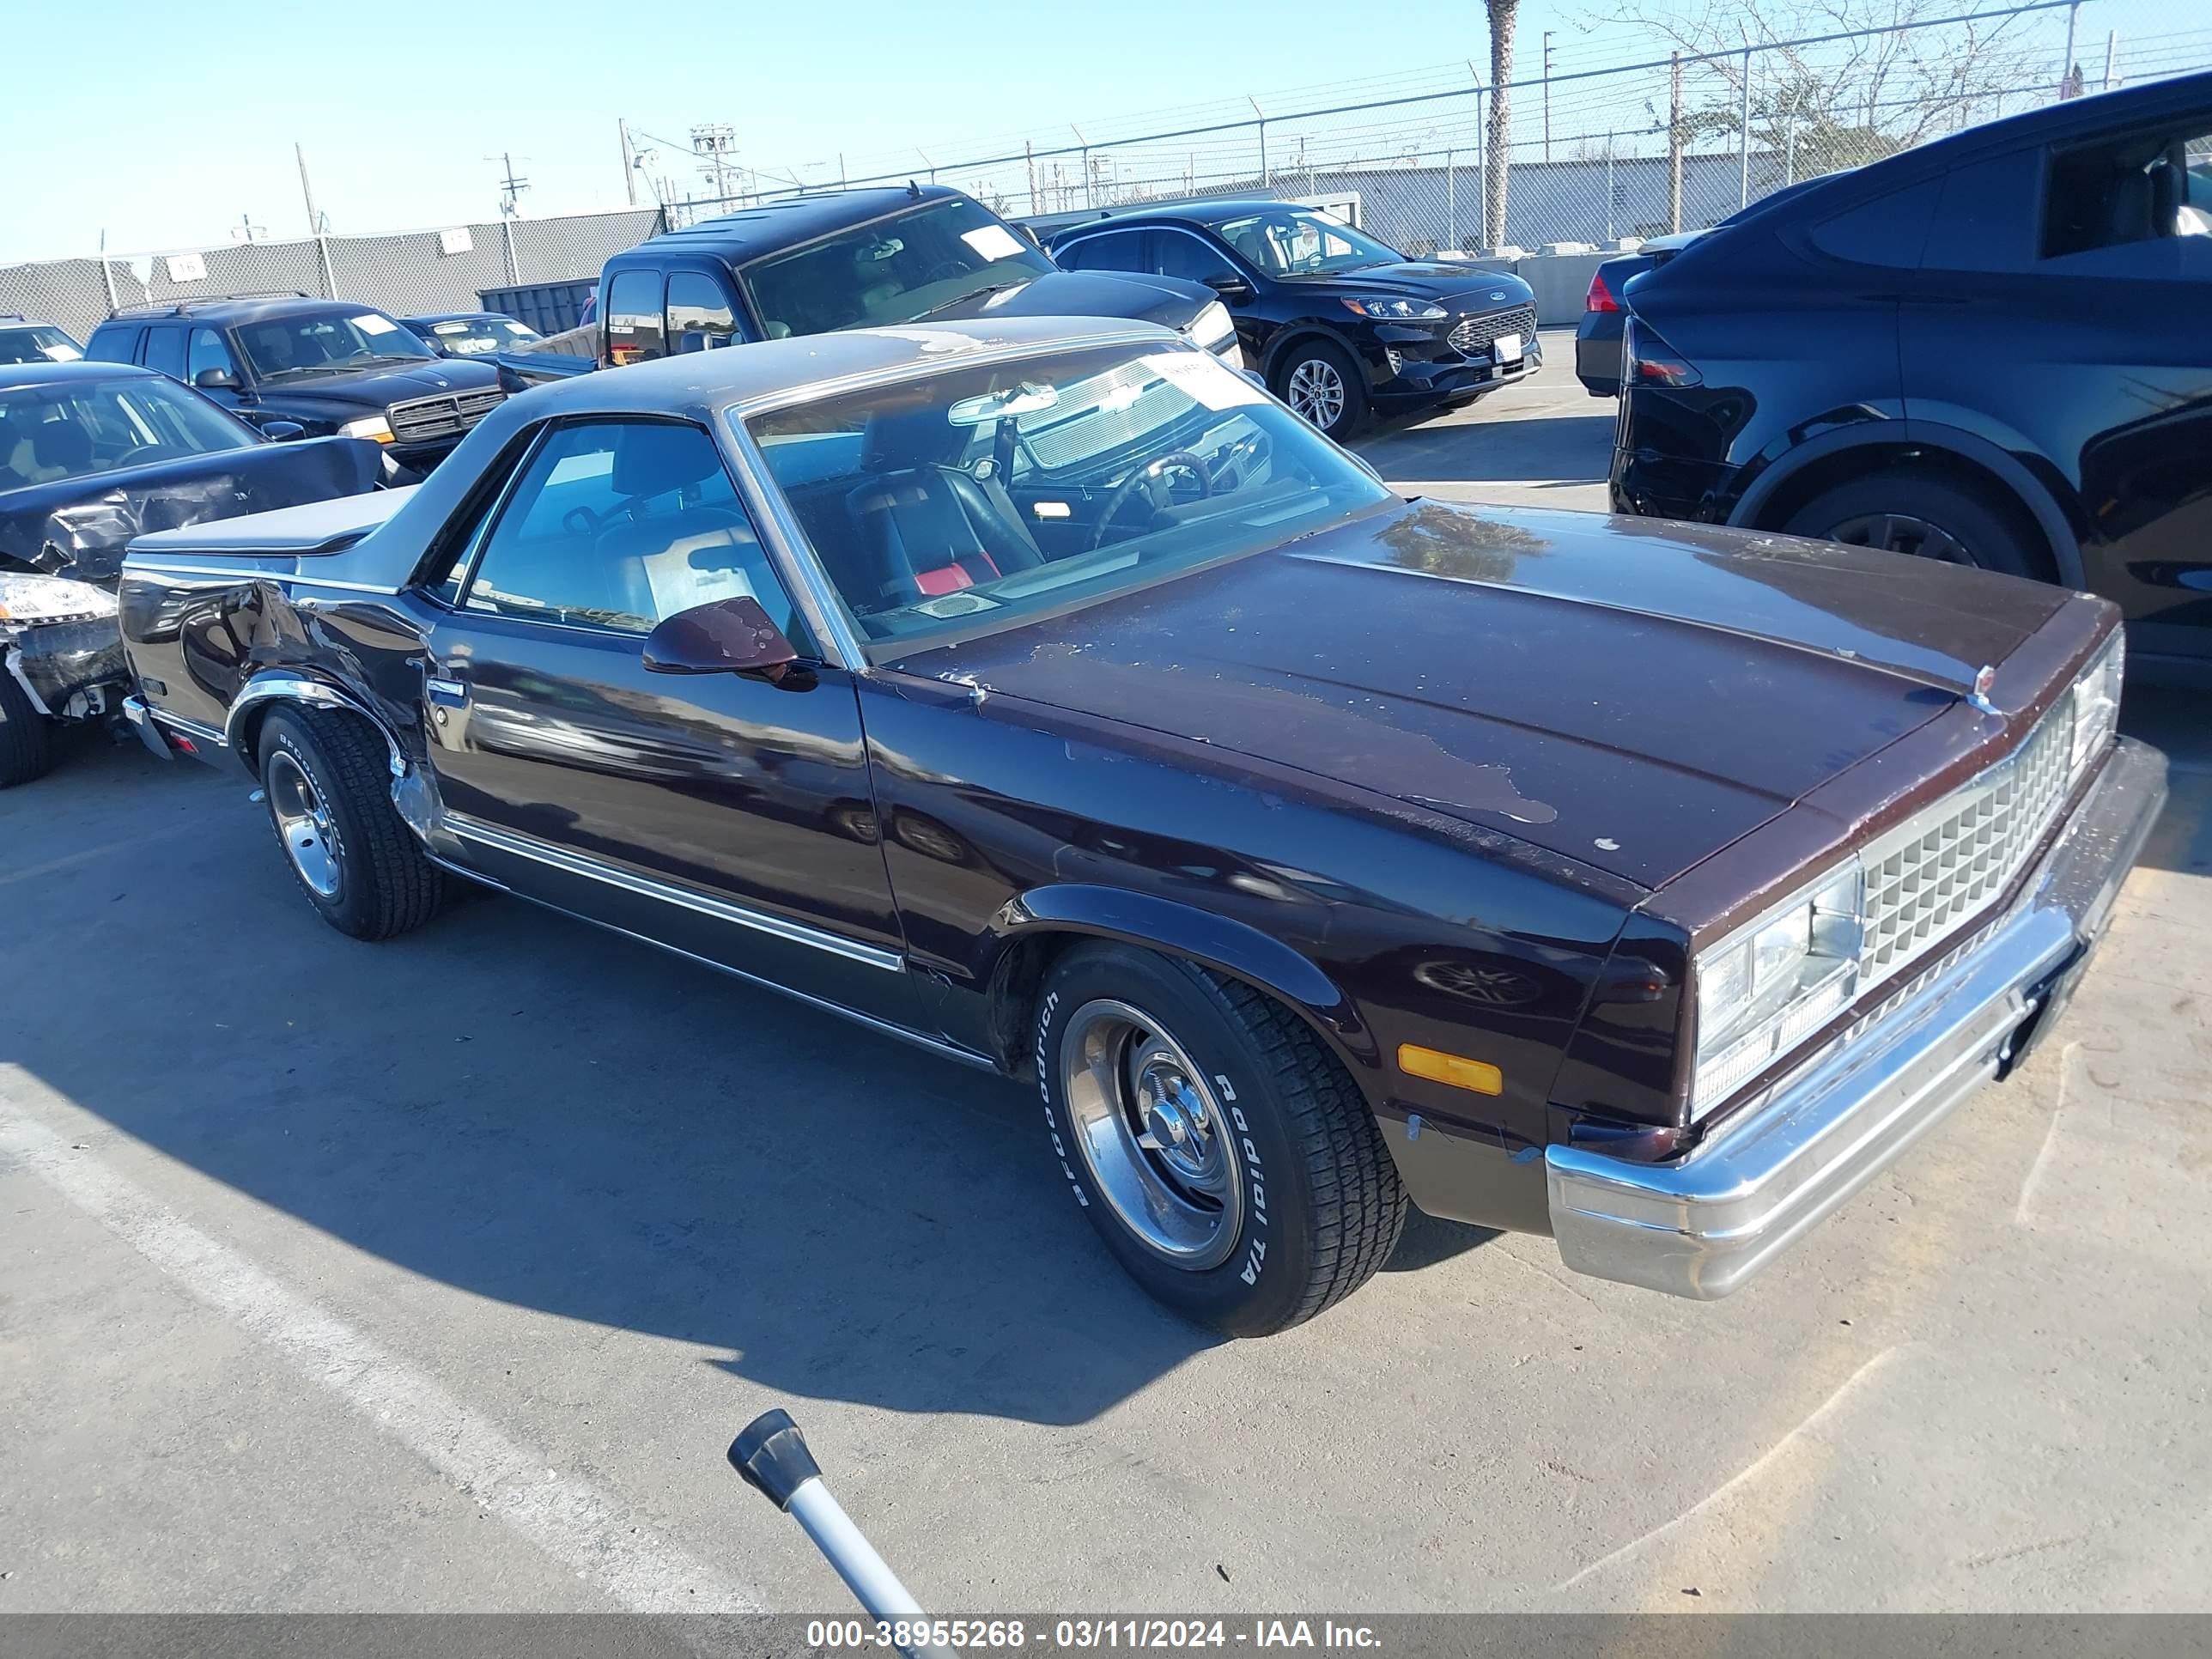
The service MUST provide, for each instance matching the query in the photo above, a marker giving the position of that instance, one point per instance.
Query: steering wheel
(941, 271)
(1147, 478)
(580, 521)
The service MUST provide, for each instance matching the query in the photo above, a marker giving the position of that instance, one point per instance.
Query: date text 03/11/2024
(1082, 1634)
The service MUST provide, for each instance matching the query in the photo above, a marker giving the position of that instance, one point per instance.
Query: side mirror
(282, 430)
(725, 636)
(216, 380)
(1229, 285)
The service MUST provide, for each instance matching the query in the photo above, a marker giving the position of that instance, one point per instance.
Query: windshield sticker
(449, 328)
(369, 323)
(992, 241)
(62, 352)
(1203, 379)
(518, 328)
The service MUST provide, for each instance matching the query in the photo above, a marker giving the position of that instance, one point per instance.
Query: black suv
(865, 258)
(323, 365)
(1993, 349)
(1337, 322)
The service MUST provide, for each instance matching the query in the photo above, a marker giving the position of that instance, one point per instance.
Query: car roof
(787, 221)
(1209, 212)
(16, 376)
(244, 308)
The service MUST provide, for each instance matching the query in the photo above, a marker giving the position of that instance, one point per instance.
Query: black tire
(1321, 1206)
(1933, 518)
(1337, 362)
(26, 736)
(384, 884)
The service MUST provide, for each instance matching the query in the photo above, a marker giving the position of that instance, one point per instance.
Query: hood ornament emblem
(1497, 293)
(1978, 698)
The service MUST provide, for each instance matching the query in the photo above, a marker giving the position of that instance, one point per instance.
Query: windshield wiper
(984, 293)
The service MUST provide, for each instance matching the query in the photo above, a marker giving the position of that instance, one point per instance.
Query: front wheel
(1222, 1153)
(1320, 382)
(26, 736)
(323, 774)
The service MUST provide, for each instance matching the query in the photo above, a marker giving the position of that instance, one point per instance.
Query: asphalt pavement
(437, 1274)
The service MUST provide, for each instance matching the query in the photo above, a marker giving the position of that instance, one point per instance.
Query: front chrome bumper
(1700, 1226)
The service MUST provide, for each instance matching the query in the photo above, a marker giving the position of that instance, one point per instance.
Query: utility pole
(1029, 154)
(630, 161)
(247, 231)
(315, 225)
(715, 142)
(2066, 64)
(510, 186)
(2112, 50)
(1547, 94)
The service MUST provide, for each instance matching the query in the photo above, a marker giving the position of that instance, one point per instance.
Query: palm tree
(1504, 13)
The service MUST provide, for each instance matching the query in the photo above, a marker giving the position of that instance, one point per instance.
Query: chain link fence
(404, 272)
(1599, 148)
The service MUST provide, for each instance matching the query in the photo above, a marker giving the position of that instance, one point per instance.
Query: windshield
(49, 433)
(472, 336)
(37, 343)
(1296, 241)
(325, 343)
(894, 270)
(975, 499)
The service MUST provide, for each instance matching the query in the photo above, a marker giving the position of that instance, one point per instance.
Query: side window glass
(1985, 219)
(1120, 250)
(1174, 253)
(700, 316)
(206, 351)
(619, 525)
(113, 345)
(634, 317)
(165, 351)
(1890, 230)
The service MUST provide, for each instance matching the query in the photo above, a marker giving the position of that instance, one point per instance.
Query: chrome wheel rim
(1901, 532)
(303, 823)
(1149, 1130)
(1316, 391)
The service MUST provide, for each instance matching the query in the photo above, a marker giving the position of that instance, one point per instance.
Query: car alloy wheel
(1901, 532)
(1152, 1134)
(1316, 389)
(303, 823)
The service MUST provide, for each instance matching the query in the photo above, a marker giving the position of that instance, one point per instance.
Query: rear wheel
(1320, 382)
(325, 775)
(26, 736)
(1222, 1153)
(1929, 518)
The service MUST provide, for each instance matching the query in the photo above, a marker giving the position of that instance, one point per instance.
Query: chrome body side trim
(1702, 1224)
(558, 858)
(937, 1046)
(280, 685)
(192, 729)
(247, 574)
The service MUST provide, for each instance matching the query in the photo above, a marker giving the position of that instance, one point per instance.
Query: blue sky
(189, 131)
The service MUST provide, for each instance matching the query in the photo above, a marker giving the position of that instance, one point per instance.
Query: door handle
(446, 694)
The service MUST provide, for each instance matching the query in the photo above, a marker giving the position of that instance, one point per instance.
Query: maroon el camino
(1045, 694)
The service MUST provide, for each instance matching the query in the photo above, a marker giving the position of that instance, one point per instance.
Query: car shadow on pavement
(524, 1107)
(1560, 452)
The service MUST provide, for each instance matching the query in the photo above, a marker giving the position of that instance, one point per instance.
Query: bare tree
(1837, 103)
(1503, 15)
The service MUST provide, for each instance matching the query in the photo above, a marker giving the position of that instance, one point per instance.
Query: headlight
(368, 426)
(1212, 326)
(1396, 311)
(27, 601)
(1779, 976)
(2097, 702)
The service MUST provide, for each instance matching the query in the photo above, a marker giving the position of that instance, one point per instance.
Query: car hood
(79, 527)
(1630, 695)
(1168, 301)
(341, 395)
(1464, 288)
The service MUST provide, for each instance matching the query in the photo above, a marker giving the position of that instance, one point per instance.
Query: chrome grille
(1476, 335)
(1933, 873)
(426, 419)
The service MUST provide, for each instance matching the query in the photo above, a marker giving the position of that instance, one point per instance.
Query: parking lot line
(569, 1519)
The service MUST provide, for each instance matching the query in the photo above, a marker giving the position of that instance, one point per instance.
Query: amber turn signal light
(1457, 1070)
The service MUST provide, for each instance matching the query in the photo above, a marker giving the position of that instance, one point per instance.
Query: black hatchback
(1991, 350)
(1339, 323)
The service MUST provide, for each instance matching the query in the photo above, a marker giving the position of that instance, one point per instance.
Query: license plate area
(1505, 350)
